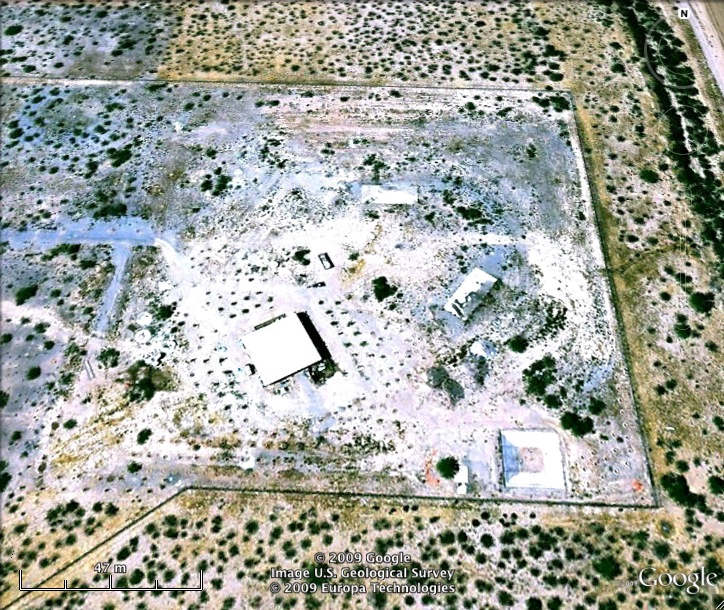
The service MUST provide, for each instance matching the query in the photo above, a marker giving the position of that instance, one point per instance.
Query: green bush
(578, 426)
(677, 488)
(382, 288)
(596, 406)
(134, 467)
(143, 436)
(702, 302)
(70, 424)
(448, 467)
(518, 344)
(33, 373)
(716, 485)
(649, 175)
(109, 357)
(539, 375)
(25, 293)
(608, 567)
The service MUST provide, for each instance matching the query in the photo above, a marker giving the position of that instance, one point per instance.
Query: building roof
(532, 459)
(467, 297)
(281, 348)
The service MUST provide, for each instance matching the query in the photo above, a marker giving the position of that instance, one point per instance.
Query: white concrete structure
(468, 296)
(280, 349)
(461, 480)
(532, 459)
(388, 195)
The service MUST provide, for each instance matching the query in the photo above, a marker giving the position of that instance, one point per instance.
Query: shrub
(677, 488)
(716, 485)
(25, 293)
(4, 398)
(518, 344)
(681, 327)
(649, 175)
(382, 288)
(302, 256)
(134, 467)
(109, 357)
(579, 426)
(702, 302)
(539, 375)
(608, 567)
(70, 424)
(143, 436)
(11, 30)
(481, 371)
(144, 380)
(33, 373)
(596, 406)
(448, 467)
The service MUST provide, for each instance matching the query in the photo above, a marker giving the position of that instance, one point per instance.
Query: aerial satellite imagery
(362, 304)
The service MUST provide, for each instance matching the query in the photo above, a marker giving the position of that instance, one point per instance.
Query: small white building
(281, 348)
(532, 459)
(469, 294)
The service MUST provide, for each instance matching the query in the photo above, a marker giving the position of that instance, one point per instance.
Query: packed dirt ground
(272, 177)
(660, 253)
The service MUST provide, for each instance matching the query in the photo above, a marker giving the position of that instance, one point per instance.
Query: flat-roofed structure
(532, 459)
(282, 347)
(470, 293)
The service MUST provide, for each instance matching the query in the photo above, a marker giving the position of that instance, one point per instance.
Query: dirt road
(708, 24)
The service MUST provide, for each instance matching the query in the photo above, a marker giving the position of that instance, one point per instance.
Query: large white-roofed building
(282, 347)
(532, 459)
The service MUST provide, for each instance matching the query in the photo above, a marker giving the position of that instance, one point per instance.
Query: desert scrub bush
(716, 485)
(133, 467)
(33, 373)
(677, 488)
(701, 302)
(539, 375)
(382, 288)
(649, 175)
(302, 256)
(25, 293)
(438, 377)
(163, 312)
(518, 344)
(578, 426)
(144, 380)
(143, 436)
(448, 467)
(108, 357)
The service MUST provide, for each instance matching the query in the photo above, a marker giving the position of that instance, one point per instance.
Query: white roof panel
(280, 349)
(475, 286)
(532, 459)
